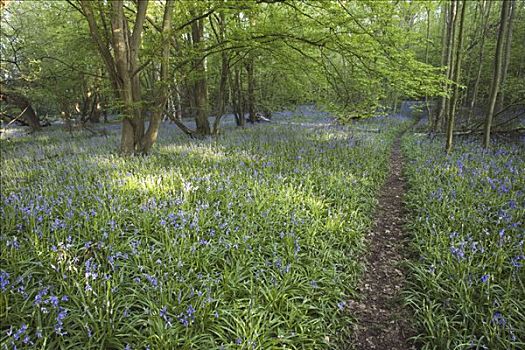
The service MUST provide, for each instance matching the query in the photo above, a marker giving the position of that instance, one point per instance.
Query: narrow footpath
(382, 322)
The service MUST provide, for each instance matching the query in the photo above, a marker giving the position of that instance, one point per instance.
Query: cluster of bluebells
(468, 211)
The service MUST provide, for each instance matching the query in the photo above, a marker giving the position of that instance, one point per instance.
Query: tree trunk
(251, 90)
(178, 104)
(122, 67)
(506, 57)
(223, 83)
(94, 113)
(200, 90)
(427, 44)
(162, 93)
(445, 61)
(237, 98)
(485, 20)
(456, 78)
(505, 7)
(28, 113)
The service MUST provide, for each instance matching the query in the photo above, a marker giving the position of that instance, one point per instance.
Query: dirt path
(382, 322)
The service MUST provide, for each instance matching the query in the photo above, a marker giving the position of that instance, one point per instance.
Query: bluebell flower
(53, 300)
(4, 280)
(498, 319)
(151, 279)
(20, 331)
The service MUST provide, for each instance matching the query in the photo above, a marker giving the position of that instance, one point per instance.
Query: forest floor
(382, 322)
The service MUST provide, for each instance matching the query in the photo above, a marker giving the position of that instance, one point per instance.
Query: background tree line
(184, 60)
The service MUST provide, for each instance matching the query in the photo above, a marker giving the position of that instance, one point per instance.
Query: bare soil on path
(382, 321)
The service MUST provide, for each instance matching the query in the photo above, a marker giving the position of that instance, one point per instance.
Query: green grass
(467, 221)
(247, 241)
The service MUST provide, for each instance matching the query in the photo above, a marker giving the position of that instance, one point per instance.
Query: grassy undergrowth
(247, 241)
(467, 220)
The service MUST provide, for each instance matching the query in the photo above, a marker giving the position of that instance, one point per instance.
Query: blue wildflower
(4, 280)
(498, 319)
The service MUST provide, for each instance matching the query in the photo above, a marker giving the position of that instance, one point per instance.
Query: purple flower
(163, 312)
(21, 331)
(457, 252)
(515, 262)
(39, 296)
(190, 311)
(498, 319)
(485, 278)
(151, 279)
(53, 300)
(4, 280)
(27, 340)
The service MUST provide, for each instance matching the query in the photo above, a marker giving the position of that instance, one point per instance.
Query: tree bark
(445, 61)
(238, 98)
(162, 92)
(200, 90)
(506, 56)
(427, 44)
(29, 115)
(456, 78)
(122, 64)
(485, 20)
(251, 90)
(451, 36)
(223, 83)
(505, 8)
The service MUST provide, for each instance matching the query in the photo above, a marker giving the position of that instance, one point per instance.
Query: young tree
(506, 56)
(455, 77)
(496, 81)
(486, 6)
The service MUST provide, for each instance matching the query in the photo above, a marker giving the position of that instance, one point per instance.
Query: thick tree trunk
(162, 93)
(456, 78)
(122, 63)
(28, 113)
(505, 8)
(126, 47)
